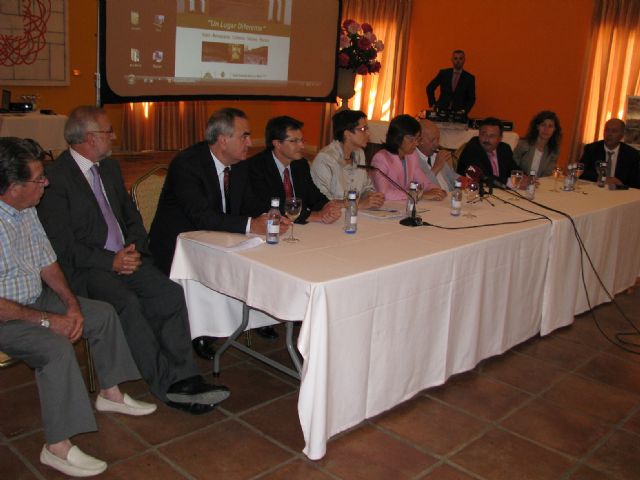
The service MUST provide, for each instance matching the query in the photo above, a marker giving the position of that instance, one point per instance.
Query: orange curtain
(381, 96)
(162, 125)
(613, 68)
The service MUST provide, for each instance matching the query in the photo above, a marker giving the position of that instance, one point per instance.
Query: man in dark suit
(623, 161)
(280, 171)
(101, 244)
(457, 87)
(489, 152)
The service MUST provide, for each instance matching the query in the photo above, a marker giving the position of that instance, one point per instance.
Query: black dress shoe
(196, 390)
(267, 332)
(204, 347)
(192, 408)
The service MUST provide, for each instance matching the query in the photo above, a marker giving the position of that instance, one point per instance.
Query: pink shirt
(391, 164)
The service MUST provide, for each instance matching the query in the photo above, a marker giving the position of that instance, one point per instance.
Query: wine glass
(557, 173)
(472, 192)
(292, 208)
(516, 178)
(579, 172)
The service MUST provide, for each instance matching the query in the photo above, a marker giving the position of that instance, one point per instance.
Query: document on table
(225, 241)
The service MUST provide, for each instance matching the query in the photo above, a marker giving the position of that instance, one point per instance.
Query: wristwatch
(44, 320)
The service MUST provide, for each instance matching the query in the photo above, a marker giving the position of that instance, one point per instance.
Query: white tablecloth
(450, 138)
(47, 130)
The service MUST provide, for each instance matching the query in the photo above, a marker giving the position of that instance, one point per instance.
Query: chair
(455, 156)
(7, 361)
(145, 192)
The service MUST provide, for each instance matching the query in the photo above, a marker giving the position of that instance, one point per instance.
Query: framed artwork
(34, 42)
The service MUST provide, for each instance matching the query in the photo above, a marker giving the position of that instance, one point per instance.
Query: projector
(21, 107)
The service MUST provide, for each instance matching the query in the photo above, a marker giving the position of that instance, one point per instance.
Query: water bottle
(411, 198)
(531, 188)
(351, 213)
(456, 199)
(602, 174)
(570, 178)
(273, 222)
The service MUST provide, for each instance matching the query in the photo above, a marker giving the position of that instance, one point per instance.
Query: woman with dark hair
(539, 149)
(398, 160)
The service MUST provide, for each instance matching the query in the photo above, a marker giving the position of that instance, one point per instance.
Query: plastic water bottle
(273, 222)
(531, 188)
(351, 213)
(602, 174)
(456, 199)
(411, 198)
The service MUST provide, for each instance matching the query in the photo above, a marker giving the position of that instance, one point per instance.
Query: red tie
(225, 182)
(286, 183)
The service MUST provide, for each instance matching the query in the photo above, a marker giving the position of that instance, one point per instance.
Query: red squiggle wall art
(23, 49)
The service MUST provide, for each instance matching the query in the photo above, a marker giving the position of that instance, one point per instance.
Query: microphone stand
(413, 220)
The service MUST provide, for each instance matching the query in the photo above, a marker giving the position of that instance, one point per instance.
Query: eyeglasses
(363, 129)
(295, 141)
(41, 180)
(413, 138)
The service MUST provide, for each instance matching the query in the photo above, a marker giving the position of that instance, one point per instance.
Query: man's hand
(69, 325)
(259, 224)
(436, 194)
(373, 200)
(127, 260)
(443, 156)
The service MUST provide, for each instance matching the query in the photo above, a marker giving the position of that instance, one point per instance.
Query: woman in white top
(335, 169)
(539, 149)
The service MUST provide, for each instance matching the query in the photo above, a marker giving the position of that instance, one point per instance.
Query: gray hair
(221, 123)
(81, 120)
(15, 155)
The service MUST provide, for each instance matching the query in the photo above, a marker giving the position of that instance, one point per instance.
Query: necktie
(286, 184)
(114, 237)
(454, 80)
(225, 182)
(609, 161)
(494, 163)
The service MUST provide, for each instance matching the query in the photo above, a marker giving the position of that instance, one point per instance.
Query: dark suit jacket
(464, 96)
(191, 200)
(474, 154)
(267, 183)
(627, 166)
(74, 223)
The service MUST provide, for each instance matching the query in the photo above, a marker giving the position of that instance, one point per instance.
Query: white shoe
(129, 407)
(77, 464)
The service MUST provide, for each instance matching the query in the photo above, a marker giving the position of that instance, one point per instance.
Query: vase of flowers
(358, 54)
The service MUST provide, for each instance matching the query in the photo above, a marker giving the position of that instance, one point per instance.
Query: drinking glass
(472, 191)
(292, 208)
(557, 173)
(516, 178)
(579, 172)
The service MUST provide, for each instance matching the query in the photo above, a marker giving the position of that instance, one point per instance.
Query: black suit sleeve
(431, 88)
(589, 159)
(312, 198)
(470, 94)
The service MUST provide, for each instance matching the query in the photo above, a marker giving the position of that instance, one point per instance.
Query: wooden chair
(145, 192)
(7, 361)
(456, 155)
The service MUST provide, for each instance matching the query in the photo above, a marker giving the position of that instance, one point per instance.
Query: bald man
(622, 159)
(435, 163)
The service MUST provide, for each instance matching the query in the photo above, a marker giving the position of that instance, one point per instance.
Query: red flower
(367, 28)
(343, 60)
(358, 48)
(375, 67)
(364, 44)
(362, 70)
(346, 23)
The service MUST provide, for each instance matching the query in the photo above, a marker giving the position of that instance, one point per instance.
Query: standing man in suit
(40, 319)
(281, 171)
(196, 195)
(489, 152)
(101, 244)
(435, 163)
(457, 87)
(623, 161)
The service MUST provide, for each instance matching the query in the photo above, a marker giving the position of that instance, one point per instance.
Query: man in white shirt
(435, 163)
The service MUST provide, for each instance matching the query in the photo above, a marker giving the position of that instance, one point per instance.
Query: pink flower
(375, 67)
(366, 28)
(343, 60)
(370, 36)
(346, 23)
(344, 41)
(353, 28)
(362, 70)
(364, 44)
(378, 45)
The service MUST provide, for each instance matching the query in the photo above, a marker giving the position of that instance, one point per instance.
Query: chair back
(6, 360)
(456, 155)
(146, 192)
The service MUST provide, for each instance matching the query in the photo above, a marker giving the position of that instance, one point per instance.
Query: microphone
(413, 220)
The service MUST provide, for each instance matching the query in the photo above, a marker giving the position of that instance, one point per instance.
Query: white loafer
(129, 407)
(77, 464)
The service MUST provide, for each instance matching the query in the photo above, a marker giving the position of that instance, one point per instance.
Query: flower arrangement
(359, 48)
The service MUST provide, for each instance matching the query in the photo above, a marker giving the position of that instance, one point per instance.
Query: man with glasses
(101, 244)
(335, 169)
(41, 319)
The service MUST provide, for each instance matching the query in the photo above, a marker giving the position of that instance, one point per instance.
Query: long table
(393, 310)
(47, 130)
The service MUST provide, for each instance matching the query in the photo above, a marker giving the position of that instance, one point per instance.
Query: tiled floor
(566, 406)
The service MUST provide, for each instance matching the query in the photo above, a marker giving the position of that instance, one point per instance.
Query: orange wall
(526, 55)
